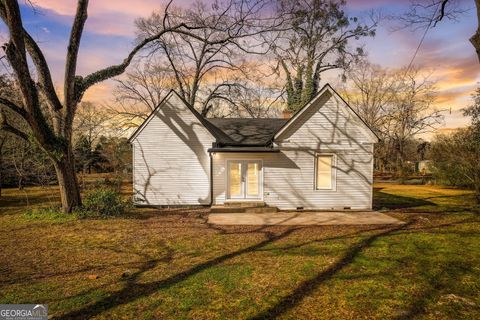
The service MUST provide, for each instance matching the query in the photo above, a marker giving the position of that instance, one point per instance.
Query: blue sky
(109, 35)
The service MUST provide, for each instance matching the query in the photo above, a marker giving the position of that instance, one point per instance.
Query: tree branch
(15, 48)
(12, 106)
(441, 13)
(115, 70)
(45, 78)
(17, 57)
(72, 54)
(5, 126)
(41, 65)
(475, 39)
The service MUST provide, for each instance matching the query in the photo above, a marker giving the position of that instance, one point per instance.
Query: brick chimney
(287, 114)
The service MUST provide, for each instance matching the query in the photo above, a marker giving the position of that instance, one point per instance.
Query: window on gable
(324, 172)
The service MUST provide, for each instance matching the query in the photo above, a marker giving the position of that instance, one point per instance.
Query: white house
(320, 158)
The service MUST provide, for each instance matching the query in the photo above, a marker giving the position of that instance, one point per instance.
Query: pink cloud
(99, 7)
(106, 16)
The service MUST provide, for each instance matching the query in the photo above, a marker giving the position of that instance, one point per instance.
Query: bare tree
(22, 161)
(145, 86)
(137, 95)
(90, 122)
(428, 13)
(397, 105)
(413, 113)
(253, 100)
(371, 90)
(315, 39)
(205, 69)
(55, 136)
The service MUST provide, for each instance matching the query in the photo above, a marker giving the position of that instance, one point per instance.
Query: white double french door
(244, 179)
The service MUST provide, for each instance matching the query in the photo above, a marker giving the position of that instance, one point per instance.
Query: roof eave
(243, 150)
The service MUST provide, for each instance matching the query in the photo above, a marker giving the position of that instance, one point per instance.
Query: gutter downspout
(211, 179)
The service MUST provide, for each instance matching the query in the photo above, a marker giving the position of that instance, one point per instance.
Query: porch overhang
(244, 149)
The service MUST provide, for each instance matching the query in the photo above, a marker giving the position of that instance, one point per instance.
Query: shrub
(99, 203)
(456, 159)
(102, 202)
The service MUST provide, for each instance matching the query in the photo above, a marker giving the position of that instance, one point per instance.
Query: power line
(422, 39)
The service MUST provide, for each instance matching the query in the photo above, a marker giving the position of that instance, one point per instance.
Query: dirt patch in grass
(171, 264)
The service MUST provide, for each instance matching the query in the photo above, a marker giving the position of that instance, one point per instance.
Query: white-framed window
(325, 171)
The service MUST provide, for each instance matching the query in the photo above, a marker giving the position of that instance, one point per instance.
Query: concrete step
(261, 210)
(244, 204)
(243, 209)
(223, 209)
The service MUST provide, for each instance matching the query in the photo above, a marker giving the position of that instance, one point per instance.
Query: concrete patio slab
(303, 218)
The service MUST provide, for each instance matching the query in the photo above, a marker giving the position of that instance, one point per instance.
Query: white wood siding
(171, 163)
(289, 176)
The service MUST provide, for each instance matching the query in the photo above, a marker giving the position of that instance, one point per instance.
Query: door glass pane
(324, 172)
(253, 179)
(235, 179)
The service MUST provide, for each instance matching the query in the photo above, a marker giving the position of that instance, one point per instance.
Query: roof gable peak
(326, 88)
(174, 94)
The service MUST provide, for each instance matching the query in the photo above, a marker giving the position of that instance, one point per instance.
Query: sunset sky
(109, 34)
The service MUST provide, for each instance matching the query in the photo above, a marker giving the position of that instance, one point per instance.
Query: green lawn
(171, 264)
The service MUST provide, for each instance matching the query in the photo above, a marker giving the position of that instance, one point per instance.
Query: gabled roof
(214, 131)
(248, 131)
(326, 88)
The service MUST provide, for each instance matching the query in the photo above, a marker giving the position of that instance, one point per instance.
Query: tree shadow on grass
(442, 280)
(133, 290)
(437, 285)
(309, 286)
(382, 200)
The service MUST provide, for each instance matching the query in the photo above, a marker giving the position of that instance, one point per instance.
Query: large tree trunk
(475, 39)
(23, 54)
(67, 181)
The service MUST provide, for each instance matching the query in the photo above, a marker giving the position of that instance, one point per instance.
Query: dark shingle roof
(247, 131)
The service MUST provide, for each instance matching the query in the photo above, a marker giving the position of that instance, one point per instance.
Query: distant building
(423, 166)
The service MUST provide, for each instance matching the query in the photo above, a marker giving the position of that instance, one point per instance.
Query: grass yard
(171, 264)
